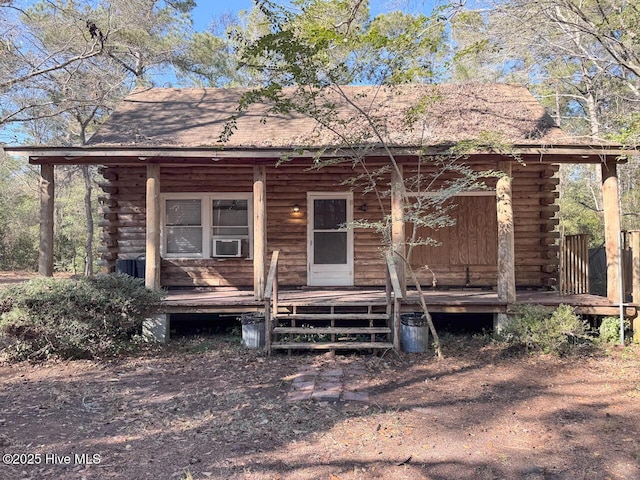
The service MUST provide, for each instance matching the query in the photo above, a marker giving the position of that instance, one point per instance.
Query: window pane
(329, 214)
(235, 231)
(184, 239)
(183, 212)
(232, 214)
(330, 248)
(228, 213)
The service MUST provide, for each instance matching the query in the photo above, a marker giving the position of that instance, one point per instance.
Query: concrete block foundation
(156, 328)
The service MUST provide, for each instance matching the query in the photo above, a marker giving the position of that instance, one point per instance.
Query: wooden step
(331, 330)
(331, 345)
(332, 316)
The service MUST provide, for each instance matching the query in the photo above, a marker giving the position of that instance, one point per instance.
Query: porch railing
(631, 265)
(270, 300)
(394, 297)
(574, 265)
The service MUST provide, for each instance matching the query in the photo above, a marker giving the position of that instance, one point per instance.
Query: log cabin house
(225, 226)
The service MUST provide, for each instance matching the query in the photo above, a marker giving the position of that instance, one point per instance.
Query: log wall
(123, 222)
(535, 218)
(287, 230)
(468, 254)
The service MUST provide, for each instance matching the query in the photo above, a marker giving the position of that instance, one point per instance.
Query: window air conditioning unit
(231, 247)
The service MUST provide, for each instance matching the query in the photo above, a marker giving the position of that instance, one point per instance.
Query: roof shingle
(196, 117)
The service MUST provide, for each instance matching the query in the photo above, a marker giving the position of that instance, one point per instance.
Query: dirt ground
(208, 408)
(18, 276)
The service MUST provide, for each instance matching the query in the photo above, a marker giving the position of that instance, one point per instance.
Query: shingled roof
(196, 117)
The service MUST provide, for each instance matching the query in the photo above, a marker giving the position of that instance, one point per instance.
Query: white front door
(330, 242)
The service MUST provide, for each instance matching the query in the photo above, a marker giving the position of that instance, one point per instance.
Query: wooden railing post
(267, 327)
(397, 298)
(274, 299)
(397, 224)
(397, 325)
(387, 290)
(270, 300)
(574, 265)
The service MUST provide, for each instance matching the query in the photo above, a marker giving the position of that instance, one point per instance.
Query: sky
(208, 9)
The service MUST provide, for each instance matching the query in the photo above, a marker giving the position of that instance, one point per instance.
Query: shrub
(86, 318)
(543, 329)
(609, 330)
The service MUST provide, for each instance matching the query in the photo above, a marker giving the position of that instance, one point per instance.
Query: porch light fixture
(363, 207)
(296, 208)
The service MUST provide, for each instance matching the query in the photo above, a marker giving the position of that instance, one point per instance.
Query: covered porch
(346, 316)
(499, 300)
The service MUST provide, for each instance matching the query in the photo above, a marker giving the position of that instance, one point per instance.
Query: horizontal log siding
(209, 271)
(123, 210)
(534, 194)
(123, 221)
(536, 236)
(124, 232)
(287, 186)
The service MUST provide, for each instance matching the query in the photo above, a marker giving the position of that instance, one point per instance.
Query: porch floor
(228, 300)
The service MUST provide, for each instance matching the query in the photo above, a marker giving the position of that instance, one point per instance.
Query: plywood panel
(471, 241)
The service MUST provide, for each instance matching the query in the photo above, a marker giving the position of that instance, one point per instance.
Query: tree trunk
(592, 114)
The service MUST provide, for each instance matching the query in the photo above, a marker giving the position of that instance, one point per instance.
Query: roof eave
(556, 153)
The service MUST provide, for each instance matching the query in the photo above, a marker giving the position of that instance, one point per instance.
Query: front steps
(351, 327)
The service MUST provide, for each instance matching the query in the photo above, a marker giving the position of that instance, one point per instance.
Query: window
(184, 226)
(230, 227)
(207, 225)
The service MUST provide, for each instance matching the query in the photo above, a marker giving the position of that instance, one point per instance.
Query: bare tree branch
(66, 63)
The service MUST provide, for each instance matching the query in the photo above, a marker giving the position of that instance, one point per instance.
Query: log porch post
(47, 192)
(398, 238)
(506, 248)
(259, 230)
(155, 327)
(152, 267)
(611, 209)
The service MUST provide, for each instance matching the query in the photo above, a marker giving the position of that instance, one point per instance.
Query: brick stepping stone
(330, 384)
